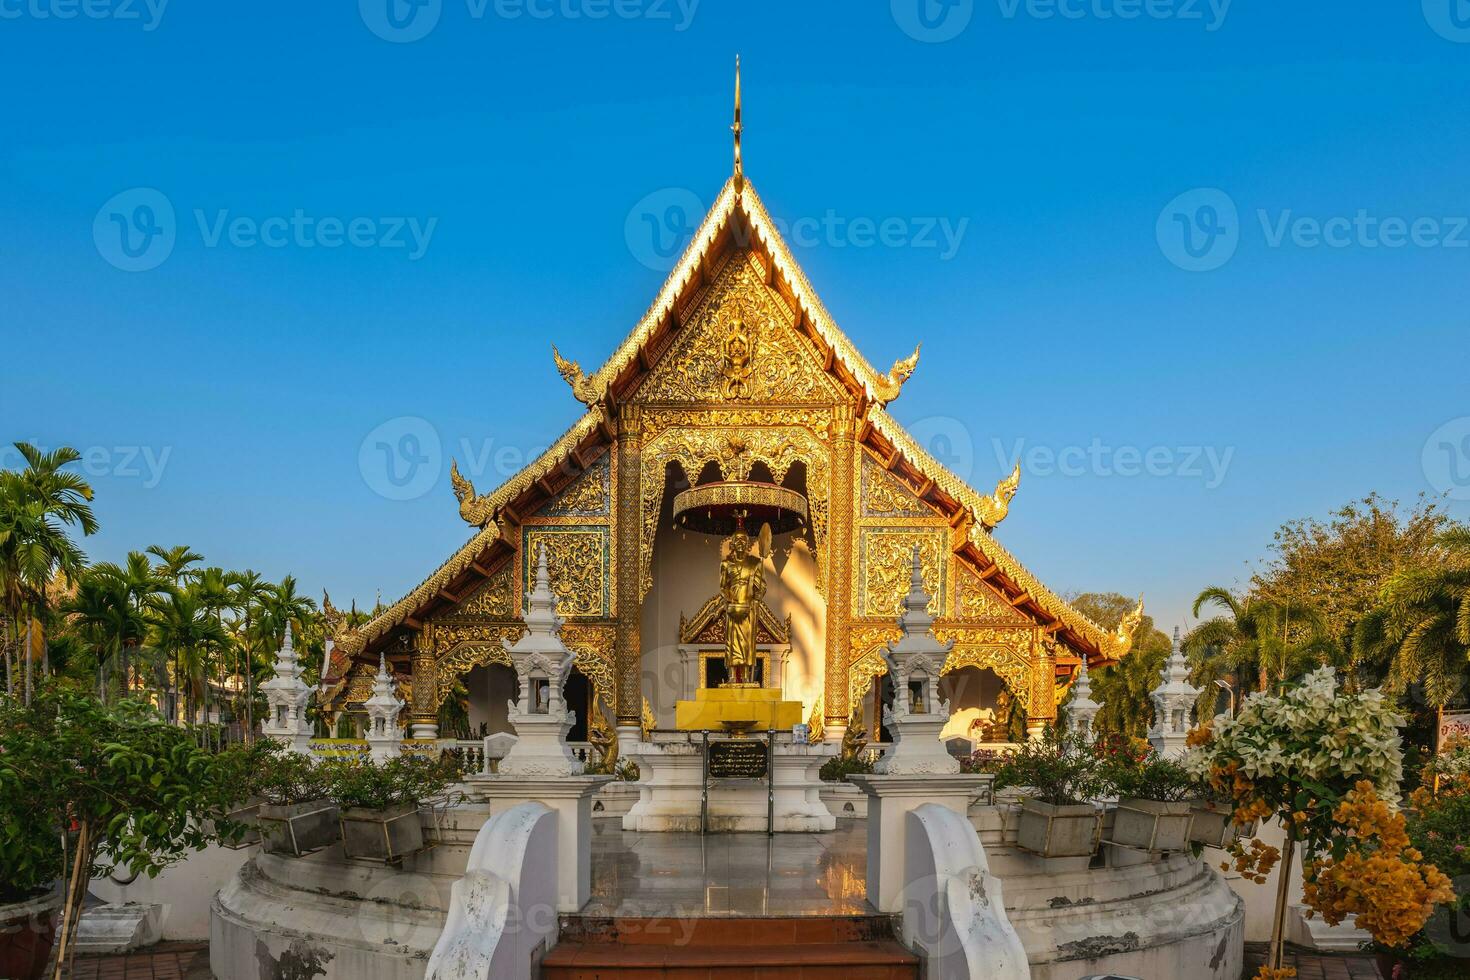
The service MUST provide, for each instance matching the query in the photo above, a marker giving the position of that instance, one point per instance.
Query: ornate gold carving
(886, 557)
(707, 628)
(590, 495)
(740, 346)
(493, 600)
(730, 493)
(891, 383)
(816, 723)
(631, 561)
(841, 499)
(1043, 683)
(884, 495)
(1011, 667)
(976, 601)
(424, 695)
(583, 388)
(1120, 640)
(694, 448)
(647, 722)
(577, 558)
(739, 352)
(473, 508)
(993, 509)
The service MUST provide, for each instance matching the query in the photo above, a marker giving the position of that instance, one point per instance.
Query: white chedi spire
(1082, 711)
(287, 694)
(384, 738)
(914, 663)
(1173, 701)
(542, 662)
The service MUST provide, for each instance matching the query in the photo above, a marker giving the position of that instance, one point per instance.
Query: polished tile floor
(639, 874)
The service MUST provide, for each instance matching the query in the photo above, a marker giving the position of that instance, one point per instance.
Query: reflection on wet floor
(642, 874)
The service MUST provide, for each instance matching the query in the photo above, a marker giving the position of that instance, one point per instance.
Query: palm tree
(184, 629)
(1275, 640)
(1423, 625)
(1123, 688)
(173, 563)
(141, 587)
(248, 596)
(107, 620)
(38, 506)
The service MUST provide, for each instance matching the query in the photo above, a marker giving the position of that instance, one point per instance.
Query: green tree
(1274, 640)
(39, 505)
(173, 563)
(140, 588)
(1123, 688)
(1339, 567)
(1422, 627)
(184, 629)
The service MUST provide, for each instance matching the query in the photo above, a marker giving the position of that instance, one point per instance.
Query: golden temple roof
(600, 389)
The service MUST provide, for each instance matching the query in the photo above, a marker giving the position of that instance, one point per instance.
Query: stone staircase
(854, 947)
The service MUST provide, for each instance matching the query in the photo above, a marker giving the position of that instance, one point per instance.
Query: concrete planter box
(1152, 825)
(1058, 831)
(27, 930)
(298, 829)
(247, 813)
(1211, 824)
(382, 835)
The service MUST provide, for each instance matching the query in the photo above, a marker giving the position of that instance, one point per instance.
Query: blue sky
(367, 228)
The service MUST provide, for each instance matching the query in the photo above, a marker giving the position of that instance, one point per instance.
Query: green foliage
(837, 769)
(377, 786)
(146, 791)
(1439, 827)
(1152, 778)
(1123, 688)
(1061, 770)
(287, 778)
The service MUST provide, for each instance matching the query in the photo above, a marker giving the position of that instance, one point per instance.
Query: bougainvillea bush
(1439, 827)
(1328, 765)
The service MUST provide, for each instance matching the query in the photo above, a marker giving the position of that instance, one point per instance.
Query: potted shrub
(296, 817)
(379, 803)
(1059, 778)
(1212, 823)
(86, 788)
(1156, 800)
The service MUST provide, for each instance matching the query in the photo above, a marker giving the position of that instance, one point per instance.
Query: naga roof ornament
(583, 388)
(993, 509)
(474, 508)
(888, 385)
(1120, 640)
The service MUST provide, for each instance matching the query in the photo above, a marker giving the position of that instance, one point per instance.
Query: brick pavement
(166, 961)
(1316, 966)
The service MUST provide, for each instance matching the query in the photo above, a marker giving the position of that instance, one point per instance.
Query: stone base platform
(671, 781)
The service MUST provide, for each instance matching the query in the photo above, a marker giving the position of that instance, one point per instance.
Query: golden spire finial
(739, 170)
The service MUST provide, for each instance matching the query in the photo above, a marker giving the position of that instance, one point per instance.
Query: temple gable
(740, 347)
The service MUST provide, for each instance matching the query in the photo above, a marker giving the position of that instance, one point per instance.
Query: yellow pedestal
(713, 706)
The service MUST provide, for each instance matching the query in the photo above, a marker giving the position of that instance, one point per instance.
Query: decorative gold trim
(734, 493)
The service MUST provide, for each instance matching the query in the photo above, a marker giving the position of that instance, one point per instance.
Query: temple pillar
(627, 643)
(1043, 708)
(423, 715)
(839, 573)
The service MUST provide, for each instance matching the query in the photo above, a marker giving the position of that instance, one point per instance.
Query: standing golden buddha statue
(742, 585)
